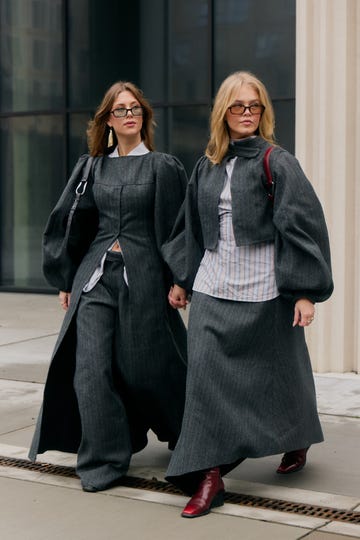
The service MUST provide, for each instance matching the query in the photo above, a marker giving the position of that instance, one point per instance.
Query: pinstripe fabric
(105, 449)
(295, 222)
(250, 389)
(139, 150)
(138, 198)
(236, 273)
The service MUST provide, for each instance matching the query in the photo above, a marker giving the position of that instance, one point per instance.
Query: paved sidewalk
(35, 505)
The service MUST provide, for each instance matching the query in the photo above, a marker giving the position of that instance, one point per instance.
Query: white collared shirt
(139, 150)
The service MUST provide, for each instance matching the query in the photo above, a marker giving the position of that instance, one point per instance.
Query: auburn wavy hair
(98, 130)
(219, 133)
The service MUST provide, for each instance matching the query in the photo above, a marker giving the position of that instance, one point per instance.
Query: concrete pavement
(38, 505)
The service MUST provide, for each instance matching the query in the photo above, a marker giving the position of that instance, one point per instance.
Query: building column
(328, 148)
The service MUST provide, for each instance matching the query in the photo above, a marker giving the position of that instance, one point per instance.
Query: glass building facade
(58, 57)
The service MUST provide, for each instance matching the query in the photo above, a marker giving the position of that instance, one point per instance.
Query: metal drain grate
(331, 514)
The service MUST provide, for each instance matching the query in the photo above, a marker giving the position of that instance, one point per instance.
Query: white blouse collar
(139, 150)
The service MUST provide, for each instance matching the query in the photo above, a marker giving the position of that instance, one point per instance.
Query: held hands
(304, 312)
(64, 298)
(177, 297)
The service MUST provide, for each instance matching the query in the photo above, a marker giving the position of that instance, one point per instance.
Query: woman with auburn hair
(119, 364)
(256, 259)
(99, 130)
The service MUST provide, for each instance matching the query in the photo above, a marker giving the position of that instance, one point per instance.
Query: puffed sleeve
(184, 249)
(171, 183)
(302, 251)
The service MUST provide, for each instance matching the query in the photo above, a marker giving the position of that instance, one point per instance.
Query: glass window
(103, 48)
(153, 57)
(257, 36)
(284, 123)
(189, 60)
(30, 56)
(77, 144)
(189, 134)
(177, 52)
(161, 129)
(38, 14)
(32, 172)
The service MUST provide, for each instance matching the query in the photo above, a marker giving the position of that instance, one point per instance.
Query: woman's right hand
(64, 298)
(177, 297)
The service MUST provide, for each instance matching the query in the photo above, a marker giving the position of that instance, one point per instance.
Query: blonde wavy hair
(219, 133)
(98, 130)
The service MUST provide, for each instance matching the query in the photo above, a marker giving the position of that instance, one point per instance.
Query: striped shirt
(241, 273)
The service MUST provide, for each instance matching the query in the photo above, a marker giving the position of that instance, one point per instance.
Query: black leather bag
(70, 229)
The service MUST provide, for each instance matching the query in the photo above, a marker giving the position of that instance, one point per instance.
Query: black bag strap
(79, 191)
(269, 179)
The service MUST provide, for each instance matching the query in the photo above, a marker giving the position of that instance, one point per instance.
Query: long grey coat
(135, 199)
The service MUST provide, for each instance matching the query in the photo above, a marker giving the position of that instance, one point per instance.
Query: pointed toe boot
(209, 494)
(292, 461)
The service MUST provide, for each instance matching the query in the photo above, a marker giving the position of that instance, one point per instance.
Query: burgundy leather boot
(292, 461)
(209, 494)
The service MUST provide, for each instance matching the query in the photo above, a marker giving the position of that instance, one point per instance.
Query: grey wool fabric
(250, 389)
(106, 447)
(136, 200)
(295, 222)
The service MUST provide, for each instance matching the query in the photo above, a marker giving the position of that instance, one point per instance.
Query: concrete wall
(328, 147)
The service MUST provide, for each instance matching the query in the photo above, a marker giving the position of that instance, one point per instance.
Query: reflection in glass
(177, 52)
(153, 49)
(30, 55)
(104, 46)
(189, 134)
(189, 55)
(161, 129)
(77, 138)
(32, 179)
(285, 122)
(257, 36)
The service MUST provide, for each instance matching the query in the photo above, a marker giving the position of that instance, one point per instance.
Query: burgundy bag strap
(269, 179)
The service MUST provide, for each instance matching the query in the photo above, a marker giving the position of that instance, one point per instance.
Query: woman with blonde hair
(256, 257)
(119, 364)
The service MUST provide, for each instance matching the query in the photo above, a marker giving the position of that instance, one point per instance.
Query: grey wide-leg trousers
(105, 449)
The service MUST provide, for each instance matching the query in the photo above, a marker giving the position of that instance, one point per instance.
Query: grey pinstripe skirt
(250, 388)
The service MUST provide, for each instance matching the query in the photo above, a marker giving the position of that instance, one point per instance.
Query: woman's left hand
(177, 297)
(64, 298)
(304, 312)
